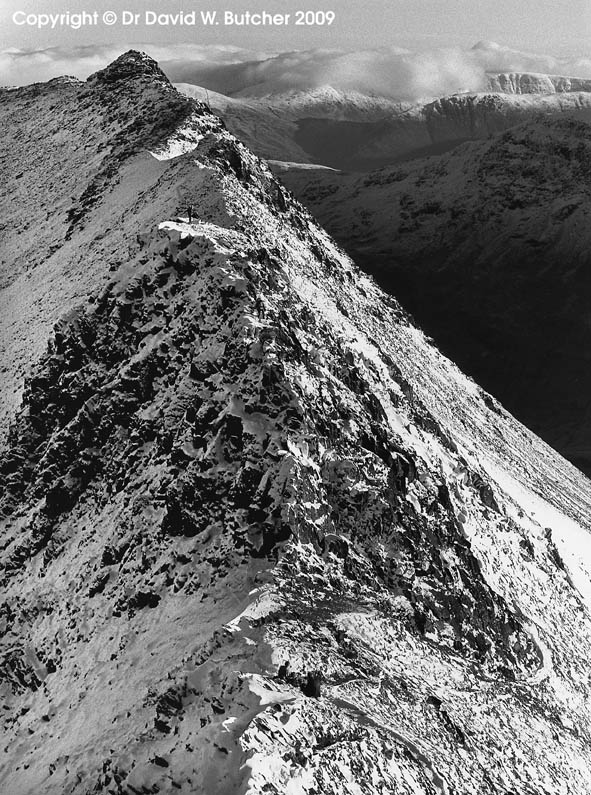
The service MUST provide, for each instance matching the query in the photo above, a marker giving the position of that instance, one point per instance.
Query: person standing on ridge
(190, 213)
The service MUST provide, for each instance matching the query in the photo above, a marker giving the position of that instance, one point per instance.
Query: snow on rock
(265, 127)
(184, 140)
(257, 535)
(533, 83)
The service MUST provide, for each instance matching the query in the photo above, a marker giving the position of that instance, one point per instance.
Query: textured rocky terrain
(69, 145)
(535, 83)
(258, 534)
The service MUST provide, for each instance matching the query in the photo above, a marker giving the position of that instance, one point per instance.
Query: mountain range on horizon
(259, 535)
(350, 130)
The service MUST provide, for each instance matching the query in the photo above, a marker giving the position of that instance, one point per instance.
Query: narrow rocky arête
(258, 535)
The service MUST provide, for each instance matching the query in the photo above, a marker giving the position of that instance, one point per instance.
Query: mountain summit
(130, 65)
(258, 534)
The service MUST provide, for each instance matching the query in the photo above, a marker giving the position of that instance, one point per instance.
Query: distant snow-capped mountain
(532, 83)
(326, 102)
(348, 130)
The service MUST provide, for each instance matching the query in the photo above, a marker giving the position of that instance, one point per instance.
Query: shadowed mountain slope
(488, 248)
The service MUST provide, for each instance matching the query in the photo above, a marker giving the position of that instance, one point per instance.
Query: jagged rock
(312, 687)
(130, 65)
(534, 83)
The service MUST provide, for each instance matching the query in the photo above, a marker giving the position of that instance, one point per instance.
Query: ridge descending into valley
(258, 534)
(487, 246)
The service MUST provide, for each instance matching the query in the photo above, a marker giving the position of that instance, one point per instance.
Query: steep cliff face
(488, 247)
(260, 536)
(532, 83)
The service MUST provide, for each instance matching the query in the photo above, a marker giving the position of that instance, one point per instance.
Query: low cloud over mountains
(391, 72)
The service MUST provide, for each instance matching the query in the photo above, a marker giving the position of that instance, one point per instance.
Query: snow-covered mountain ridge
(533, 83)
(348, 130)
(237, 452)
(72, 144)
(443, 124)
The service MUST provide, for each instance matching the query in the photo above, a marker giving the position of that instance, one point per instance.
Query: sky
(555, 26)
(406, 48)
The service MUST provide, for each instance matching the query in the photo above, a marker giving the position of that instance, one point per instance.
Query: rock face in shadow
(488, 248)
(443, 124)
(258, 534)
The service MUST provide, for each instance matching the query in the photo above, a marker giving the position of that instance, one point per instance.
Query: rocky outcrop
(132, 65)
(531, 83)
(259, 535)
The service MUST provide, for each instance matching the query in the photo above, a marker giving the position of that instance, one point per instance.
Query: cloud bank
(390, 72)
